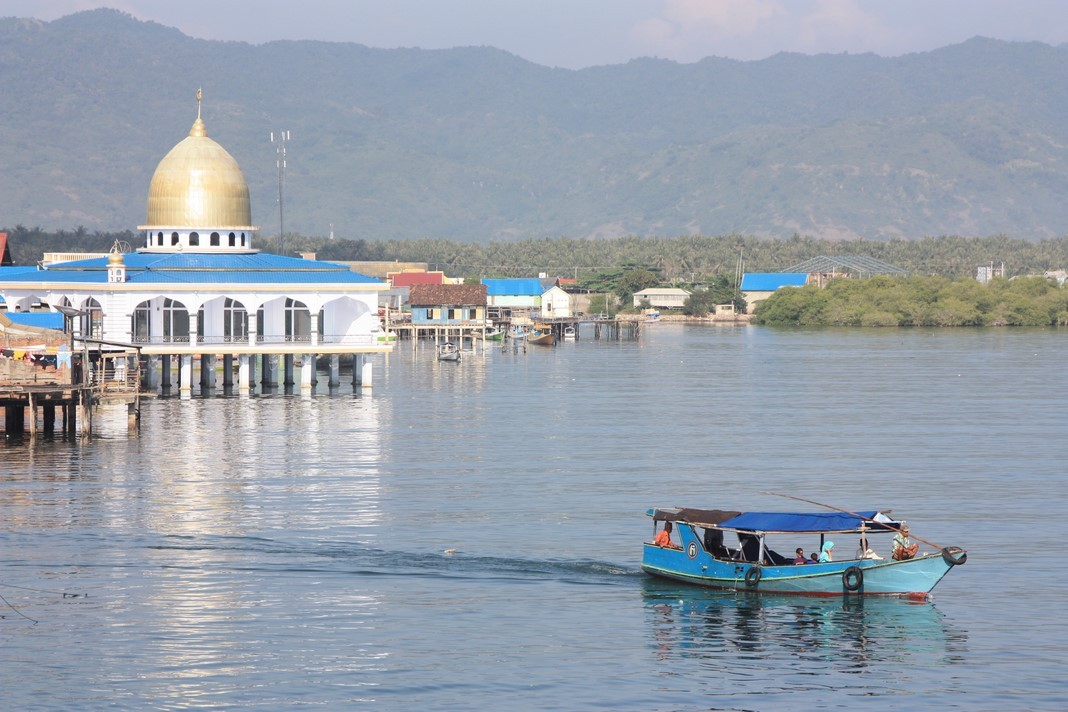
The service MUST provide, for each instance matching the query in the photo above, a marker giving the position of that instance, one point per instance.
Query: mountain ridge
(477, 144)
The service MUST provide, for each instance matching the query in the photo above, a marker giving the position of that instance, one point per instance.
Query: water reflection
(853, 634)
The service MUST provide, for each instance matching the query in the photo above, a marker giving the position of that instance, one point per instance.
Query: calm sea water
(288, 552)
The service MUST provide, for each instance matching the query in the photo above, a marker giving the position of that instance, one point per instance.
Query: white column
(367, 381)
(194, 326)
(307, 371)
(243, 373)
(185, 378)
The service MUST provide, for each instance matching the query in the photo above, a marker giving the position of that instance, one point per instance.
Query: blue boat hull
(913, 578)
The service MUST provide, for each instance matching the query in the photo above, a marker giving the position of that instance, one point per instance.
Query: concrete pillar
(185, 375)
(367, 372)
(165, 372)
(228, 371)
(307, 372)
(357, 375)
(335, 371)
(152, 368)
(243, 380)
(207, 372)
(253, 363)
(270, 370)
(287, 370)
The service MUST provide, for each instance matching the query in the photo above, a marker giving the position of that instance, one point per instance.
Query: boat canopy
(787, 522)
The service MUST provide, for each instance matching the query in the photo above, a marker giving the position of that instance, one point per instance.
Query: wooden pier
(36, 405)
(619, 328)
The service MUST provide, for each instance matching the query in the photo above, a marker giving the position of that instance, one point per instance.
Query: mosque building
(198, 289)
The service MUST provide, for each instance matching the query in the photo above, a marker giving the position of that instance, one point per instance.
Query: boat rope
(8, 604)
(854, 514)
(65, 594)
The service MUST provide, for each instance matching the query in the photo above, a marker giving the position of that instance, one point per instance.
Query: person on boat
(903, 548)
(864, 551)
(663, 537)
(813, 557)
(825, 552)
(714, 544)
(800, 558)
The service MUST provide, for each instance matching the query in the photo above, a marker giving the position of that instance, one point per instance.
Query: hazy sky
(582, 33)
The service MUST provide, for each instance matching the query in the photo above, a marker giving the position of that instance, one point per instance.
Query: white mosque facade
(197, 291)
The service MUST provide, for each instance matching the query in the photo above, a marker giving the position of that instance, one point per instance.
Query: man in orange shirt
(663, 537)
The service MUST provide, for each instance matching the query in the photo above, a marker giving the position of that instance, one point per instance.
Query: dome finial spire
(198, 126)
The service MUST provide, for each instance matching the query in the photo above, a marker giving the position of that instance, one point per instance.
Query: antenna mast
(283, 136)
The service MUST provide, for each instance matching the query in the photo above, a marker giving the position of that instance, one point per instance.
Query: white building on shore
(197, 290)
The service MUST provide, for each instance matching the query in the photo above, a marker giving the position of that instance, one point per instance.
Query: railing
(342, 339)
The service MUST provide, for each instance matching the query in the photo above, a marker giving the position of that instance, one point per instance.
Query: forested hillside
(682, 260)
(475, 144)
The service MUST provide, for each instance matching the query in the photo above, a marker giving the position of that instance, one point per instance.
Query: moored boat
(448, 352)
(700, 556)
(542, 336)
(569, 333)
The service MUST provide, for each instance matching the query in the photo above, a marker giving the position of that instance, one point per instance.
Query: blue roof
(45, 320)
(779, 521)
(798, 521)
(513, 287)
(195, 268)
(770, 281)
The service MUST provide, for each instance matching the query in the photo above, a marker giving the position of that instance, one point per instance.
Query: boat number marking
(691, 550)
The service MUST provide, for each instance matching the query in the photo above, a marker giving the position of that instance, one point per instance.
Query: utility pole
(283, 136)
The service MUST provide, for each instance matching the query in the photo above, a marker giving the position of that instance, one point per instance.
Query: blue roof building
(758, 286)
(519, 294)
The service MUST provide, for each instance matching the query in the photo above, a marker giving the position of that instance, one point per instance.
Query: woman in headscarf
(825, 552)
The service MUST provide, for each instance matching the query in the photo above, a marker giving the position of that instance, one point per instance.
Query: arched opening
(141, 328)
(174, 239)
(214, 239)
(93, 322)
(297, 321)
(194, 239)
(235, 321)
(233, 239)
(175, 322)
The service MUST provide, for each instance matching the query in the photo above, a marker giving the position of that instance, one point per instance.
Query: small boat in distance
(569, 333)
(704, 559)
(448, 352)
(541, 336)
(652, 316)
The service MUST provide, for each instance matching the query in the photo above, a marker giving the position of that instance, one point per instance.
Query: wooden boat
(448, 352)
(542, 336)
(495, 335)
(704, 559)
(569, 333)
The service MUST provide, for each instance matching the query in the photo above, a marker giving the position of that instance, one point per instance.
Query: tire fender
(853, 578)
(752, 576)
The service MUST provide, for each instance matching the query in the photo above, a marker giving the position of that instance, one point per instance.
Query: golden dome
(115, 258)
(198, 185)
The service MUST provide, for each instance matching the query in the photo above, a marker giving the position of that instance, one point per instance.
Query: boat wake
(362, 559)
